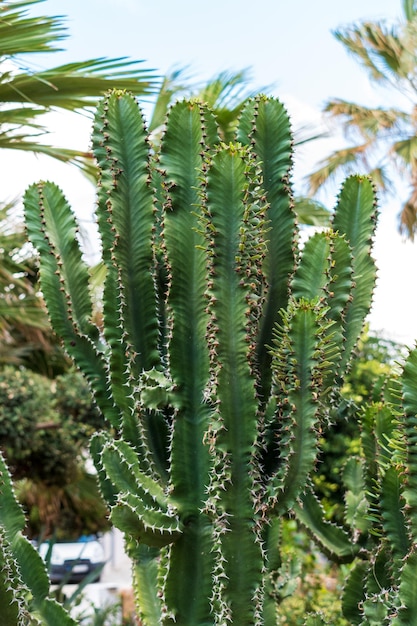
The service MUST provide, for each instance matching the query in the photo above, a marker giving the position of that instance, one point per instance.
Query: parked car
(72, 561)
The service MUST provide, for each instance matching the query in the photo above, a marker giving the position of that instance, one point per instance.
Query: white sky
(287, 44)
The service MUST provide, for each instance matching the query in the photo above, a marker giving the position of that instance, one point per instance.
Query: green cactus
(24, 584)
(223, 347)
(382, 586)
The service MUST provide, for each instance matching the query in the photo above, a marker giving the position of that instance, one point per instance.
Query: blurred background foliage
(45, 426)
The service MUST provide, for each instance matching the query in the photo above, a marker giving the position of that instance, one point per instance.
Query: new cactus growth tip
(222, 351)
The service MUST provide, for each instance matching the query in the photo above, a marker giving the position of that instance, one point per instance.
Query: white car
(72, 561)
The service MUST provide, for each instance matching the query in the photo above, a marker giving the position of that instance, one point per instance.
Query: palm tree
(26, 94)
(383, 139)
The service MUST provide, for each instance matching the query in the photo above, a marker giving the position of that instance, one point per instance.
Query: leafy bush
(45, 426)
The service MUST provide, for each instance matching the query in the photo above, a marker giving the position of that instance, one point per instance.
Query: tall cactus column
(222, 348)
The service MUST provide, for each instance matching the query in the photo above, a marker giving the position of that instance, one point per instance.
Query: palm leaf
(173, 84)
(410, 9)
(344, 160)
(77, 85)
(227, 94)
(377, 50)
(311, 212)
(369, 122)
(21, 34)
(406, 150)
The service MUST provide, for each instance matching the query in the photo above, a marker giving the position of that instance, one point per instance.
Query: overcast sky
(287, 44)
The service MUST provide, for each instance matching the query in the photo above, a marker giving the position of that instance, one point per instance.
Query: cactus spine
(223, 346)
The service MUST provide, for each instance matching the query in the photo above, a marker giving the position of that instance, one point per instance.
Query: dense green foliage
(45, 426)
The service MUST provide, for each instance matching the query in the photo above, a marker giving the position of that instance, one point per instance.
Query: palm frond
(345, 160)
(225, 93)
(406, 150)
(378, 49)
(14, 118)
(368, 122)
(20, 34)
(305, 134)
(311, 212)
(74, 86)
(408, 216)
(380, 177)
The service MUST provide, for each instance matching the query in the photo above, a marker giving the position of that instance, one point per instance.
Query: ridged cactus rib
(407, 601)
(108, 490)
(299, 360)
(125, 214)
(235, 252)
(272, 541)
(311, 276)
(189, 129)
(332, 539)
(155, 528)
(145, 574)
(356, 502)
(130, 213)
(378, 427)
(118, 357)
(55, 218)
(87, 354)
(409, 394)
(181, 159)
(12, 591)
(393, 514)
(358, 225)
(265, 127)
(354, 594)
(122, 467)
